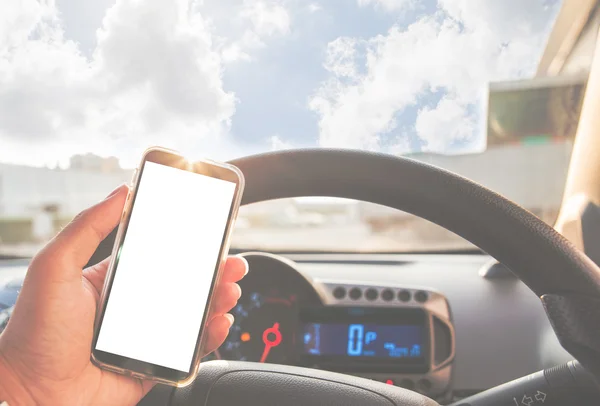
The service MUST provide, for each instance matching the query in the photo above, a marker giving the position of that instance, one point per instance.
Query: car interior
(483, 323)
(514, 322)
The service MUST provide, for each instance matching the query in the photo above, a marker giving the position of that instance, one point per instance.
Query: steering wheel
(566, 281)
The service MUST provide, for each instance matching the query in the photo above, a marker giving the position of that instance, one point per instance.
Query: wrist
(12, 390)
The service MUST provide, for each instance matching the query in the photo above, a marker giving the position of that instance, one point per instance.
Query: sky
(228, 78)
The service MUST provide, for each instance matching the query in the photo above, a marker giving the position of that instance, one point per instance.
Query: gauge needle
(268, 342)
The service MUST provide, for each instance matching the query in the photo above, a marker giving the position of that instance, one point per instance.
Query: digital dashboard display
(363, 340)
(364, 337)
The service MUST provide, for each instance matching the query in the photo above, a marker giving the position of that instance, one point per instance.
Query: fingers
(218, 328)
(235, 269)
(97, 273)
(226, 296)
(74, 246)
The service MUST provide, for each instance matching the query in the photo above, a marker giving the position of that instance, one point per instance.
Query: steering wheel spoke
(256, 384)
(576, 323)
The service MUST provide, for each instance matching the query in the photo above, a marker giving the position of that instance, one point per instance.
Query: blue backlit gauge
(362, 340)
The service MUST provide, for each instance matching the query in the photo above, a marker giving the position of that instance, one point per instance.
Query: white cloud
(240, 49)
(155, 74)
(455, 51)
(449, 118)
(389, 5)
(340, 57)
(400, 145)
(162, 57)
(240, 27)
(278, 144)
(41, 74)
(314, 7)
(268, 18)
(154, 78)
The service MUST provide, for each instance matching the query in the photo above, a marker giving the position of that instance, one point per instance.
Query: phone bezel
(134, 367)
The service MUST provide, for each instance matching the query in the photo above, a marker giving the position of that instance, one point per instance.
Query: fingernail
(229, 316)
(247, 266)
(238, 290)
(114, 192)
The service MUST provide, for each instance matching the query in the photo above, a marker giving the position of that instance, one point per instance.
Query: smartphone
(167, 259)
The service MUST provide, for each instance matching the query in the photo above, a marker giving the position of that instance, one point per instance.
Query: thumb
(71, 249)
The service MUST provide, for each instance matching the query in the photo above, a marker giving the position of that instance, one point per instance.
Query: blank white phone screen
(166, 266)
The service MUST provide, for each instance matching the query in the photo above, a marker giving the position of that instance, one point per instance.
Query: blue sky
(286, 74)
(229, 78)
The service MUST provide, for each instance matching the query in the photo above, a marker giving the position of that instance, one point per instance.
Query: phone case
(111, 269)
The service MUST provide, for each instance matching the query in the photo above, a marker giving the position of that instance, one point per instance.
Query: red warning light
(389, 382)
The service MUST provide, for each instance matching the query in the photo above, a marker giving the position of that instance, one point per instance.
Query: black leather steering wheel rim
(565, 279)
(498, 226)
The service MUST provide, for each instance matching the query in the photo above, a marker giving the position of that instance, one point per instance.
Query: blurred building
(35, 202)
(531, 173)
(94, 163)
(531, 124)
(26, 190)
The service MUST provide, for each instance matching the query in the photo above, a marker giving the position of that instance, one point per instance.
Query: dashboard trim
(436, 306)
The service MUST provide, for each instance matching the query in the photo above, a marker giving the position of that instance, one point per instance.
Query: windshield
(84, 89)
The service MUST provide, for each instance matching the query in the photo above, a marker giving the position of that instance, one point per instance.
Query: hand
(45, 349)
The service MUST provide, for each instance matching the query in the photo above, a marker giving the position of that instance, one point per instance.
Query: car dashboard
(430, 323)
(427, 322)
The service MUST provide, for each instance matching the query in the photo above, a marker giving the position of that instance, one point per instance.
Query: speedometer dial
(264, 329)
(266, 316)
